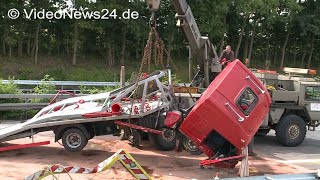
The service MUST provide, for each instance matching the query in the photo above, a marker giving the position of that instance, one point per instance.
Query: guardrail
(35, 96)
(62, 83)
(22, 106)
(28, 105)
(71, 86)
(68, 83)
(26, 86)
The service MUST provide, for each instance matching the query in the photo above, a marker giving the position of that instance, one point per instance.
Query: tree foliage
(284, 32)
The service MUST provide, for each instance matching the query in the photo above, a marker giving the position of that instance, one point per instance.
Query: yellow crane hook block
(124, 157)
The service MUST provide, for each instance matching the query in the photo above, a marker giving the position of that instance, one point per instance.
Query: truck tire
(191, 147)
(74, 140)
(291, 130)
(165, 142)
(135, 138)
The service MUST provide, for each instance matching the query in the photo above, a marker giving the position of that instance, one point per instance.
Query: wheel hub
(294, 131)
(190, 145)
(168, 134)
(73, 140)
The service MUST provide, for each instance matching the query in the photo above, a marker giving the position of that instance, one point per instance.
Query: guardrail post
(122, 76)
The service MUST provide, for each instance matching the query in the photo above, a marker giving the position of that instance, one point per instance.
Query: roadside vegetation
(273, 33)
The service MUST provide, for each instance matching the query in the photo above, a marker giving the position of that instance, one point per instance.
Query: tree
(287, 10)
(262, 30)
(310, 24)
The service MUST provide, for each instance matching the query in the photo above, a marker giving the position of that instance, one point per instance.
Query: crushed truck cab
(229, 112)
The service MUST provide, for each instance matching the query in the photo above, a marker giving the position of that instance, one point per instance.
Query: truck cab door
(310, 98)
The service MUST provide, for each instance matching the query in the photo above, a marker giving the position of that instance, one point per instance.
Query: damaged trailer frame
(78, 119)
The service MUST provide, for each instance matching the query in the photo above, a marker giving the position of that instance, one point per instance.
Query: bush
(10, 88)
(95, 90)
(46, 87)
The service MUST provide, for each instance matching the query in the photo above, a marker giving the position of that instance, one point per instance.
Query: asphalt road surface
(272, 158)
(307, 155)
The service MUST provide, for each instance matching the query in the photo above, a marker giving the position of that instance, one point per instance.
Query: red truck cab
(229, 112)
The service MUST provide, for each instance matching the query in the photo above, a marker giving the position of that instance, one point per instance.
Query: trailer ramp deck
(136, 100)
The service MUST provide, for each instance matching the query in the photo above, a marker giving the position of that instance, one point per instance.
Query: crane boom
(200, 46)
(187, 22)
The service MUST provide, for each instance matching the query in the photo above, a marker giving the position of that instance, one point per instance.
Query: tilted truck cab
(229, 112)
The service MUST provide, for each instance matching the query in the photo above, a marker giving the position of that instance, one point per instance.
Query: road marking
(301, 161)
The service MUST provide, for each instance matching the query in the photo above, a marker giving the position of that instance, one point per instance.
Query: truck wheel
(165, 142)
(291, 130)
(135, 138)
(190, 146)
(74, 140)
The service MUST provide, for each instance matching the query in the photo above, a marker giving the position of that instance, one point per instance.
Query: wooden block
(244, 167)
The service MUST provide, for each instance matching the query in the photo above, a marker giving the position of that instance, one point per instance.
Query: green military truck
(295, 105)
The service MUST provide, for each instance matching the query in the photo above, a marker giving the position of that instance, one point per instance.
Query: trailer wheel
(165, 142)
(190, 146)
(135, 138)
(291, 130)
(74, 140)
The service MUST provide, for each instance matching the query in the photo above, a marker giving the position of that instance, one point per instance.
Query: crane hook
(153, 5)
(152, 21)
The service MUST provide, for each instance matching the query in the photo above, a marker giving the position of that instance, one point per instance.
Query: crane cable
(156, 46)
(153, 50)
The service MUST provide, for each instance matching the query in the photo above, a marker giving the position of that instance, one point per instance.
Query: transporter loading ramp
(134, 101)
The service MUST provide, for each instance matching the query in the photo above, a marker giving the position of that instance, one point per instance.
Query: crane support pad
(22, 146)
(212, 161)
